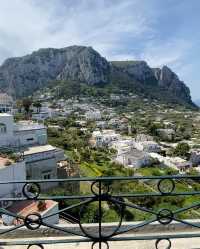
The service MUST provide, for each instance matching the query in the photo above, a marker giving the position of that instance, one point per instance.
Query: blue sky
(162, 32)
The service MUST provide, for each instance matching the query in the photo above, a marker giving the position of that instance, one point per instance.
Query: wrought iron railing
(116, 193)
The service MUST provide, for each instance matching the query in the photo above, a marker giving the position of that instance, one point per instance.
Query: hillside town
(99, 124)
(35, 144)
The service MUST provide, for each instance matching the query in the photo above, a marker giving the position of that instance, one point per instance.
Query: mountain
(169, 81)
(21, 76)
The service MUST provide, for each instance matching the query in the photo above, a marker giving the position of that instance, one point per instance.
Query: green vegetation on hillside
(95, 162)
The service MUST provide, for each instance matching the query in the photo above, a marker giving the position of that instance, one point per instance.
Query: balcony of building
(104, 215)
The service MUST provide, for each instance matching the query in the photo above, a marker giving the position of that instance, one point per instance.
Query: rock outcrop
(136, 69)
(169, 81)
(21, 76)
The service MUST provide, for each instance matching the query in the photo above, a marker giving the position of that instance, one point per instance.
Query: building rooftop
(24, 208)
(5, 115)
(134, 153)
(109, 132)
(38, 149)
(28, 125)
(96, 133)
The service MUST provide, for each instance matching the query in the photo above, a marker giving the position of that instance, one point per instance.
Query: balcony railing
(107, 193)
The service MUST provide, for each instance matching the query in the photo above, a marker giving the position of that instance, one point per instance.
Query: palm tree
(19, 105)
(27, 102)
(37, 105)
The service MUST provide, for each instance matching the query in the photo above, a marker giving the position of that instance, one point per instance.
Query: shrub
(182, 149)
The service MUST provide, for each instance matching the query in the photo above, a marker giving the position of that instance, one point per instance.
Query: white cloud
(27, 25)
(166, 52)
(118, 29)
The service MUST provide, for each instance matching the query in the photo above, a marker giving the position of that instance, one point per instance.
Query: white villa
(44, 112)
(10, 171)
(123, 145)
(93, 115)
(41, 116)
(195, 157)
(40, 158)
(104, 137)
(23, 133)
(41, 163)
(133, 158)
(128, 155)
(129, 152)
(6, 103)
(148, 146)
(176, 163)
(143, 138)
(166, 134)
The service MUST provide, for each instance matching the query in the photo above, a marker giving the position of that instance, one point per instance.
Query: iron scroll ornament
(100, 196)
(159, 241)
(40, 246)
(31, 190)
(101, 192)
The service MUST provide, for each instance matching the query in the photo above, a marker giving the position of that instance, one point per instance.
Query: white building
(166, 134)
(143, 138)
(195, 157)
(10, 171)
(41, 116)
(148, 146)
(23, 133)
(102, 124)
(41, 163)
(114, 122)
(105, 137)
(176, 163)
(128, 155)
(6, 103)
(114, 97)
(123, 145)
(133, 158)
(93, 115)
(24, 208)
(44, 112)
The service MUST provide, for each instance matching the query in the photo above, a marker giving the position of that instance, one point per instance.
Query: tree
(19, 105)
(152, 128)
(182, 149)
(37, 105)
(27, 102)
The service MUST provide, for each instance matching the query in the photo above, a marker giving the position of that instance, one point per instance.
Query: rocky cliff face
(139, 70)
(23, 75)
(169, 81)
(86, 66)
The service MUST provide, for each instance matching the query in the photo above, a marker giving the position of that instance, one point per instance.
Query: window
(2, 128)
(47, 176)
(29, 139)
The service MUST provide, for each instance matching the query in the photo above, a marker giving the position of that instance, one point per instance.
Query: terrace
(28, 125)
(160, 228)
